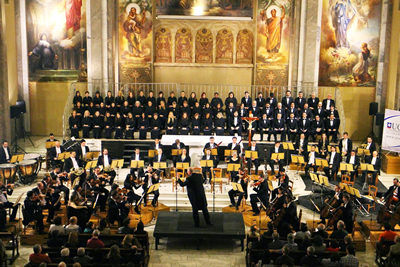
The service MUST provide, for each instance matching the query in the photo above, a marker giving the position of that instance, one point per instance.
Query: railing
(209, 89)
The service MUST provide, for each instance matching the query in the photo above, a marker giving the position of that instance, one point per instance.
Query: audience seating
(11, 244)
(382, 251)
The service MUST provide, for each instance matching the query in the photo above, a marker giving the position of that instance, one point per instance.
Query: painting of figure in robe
(56, 33)
(349, 42)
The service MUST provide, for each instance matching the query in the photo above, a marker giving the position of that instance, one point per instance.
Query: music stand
(214, 151)
(17, 158)
(176, 152)
(233, 167)
(309, 148)
(299, 160)
(228, 153)
(287, 146)
(207, 163)
(135, 164)
(160, 165)
(91, 164)
(251, 154)
(117, 164)
(367, 167)
(182, 165)
(152, 153)
(152, 189)
(50, 144)
(63, 156)
(237, 187)
(321, 163)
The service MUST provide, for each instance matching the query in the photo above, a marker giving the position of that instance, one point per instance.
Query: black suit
(320, 113)
(206, 170)
(116, 211)
(299, 102)
(157, 158)
(79, 152)
(347, 216)
(292, 129)
(247, 102)
(332, 128)
(272, 162)
(33, 211)
(68, 165)
(3, 155)
(303, 147)
(235, 127)
(377, 168)
(53, 154)
(264, 127)
(290, 216)
(112, 174)
(175, 146)
(146, 188)
(335, 165)
(272, 102)
(324, 103)
(349, 146)
(7, 204)
(317, 127)
(372, 148)
(312, 163)
(255, 161)
(305, 127)
(255, 111)
(237, 148)
(356, 164)
(61, 187)
(286, 103)
(313, 103)
(279, 128)
(197, 196)
(261, 195)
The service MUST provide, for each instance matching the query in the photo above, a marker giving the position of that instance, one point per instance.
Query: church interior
(111, 108)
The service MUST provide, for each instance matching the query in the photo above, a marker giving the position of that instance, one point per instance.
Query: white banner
(94, 144)
(391, 131)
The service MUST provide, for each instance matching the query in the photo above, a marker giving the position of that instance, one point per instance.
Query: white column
(302, 38)
(24, 89)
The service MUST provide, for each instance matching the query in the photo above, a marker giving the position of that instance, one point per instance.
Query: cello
(384, 213)
(337, 213)
(332, 203)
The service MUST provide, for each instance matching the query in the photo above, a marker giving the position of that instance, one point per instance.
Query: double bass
(384, 213)
(332, 203)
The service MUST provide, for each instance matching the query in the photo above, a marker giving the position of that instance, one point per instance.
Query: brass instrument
(76, 181)
(77, 172)
(107, 168)
(323, 148)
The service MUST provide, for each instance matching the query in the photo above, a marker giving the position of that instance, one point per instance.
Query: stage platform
(180, 225)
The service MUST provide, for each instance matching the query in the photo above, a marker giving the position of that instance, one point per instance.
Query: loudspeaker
(380, 117)
(22, 106)
(15, 112)
(373, 108)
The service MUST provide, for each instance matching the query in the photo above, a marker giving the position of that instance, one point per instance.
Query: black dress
(98, 123)
(119, 126)
(119, 101)
(203, 102)
(162, 114)
(143, 126)
(192, 102)
(219, 125)
(172, 123)
(108, 100)
(108, 127)
(184, 127)
(207, 126)
(86, 126)
(74, 125)
(130, 127)
(155, 133)
(77, 99)
(196, 125)
(97, 101)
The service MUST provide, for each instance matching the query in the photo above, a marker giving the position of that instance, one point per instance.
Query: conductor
(197, 196)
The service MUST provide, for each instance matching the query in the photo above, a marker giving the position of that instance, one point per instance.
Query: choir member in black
(230, 110)
(290, 215)
(261, 195)
(131, 184)
(323, 144)
(279, 127)
(260, 101)
(287, 100)
(86, 124)
(307, 111)
(118, 125)
(304, 125)
(217, 110)
(160, 98)
(143, 125)
(216, 100)
(33, 211)
(150, 179)
(272, 101)
(87, 99)
(347, 213)
(374, 160)
(105, 161)
(184, 157)
(312, 155)
(280, 110)
(141, 98)
(242, 178)
(231, 99)
(328, 102)
(125, 109)
(175, 110)
(92, 109)
(276, 149)
(79, 207)
(171, 99)
(207, 109)
(119, 100)
(353, 159)
(152, 99)
(58, 179)
(171, 124)
(319, 110)
(118, 209)
(109, 99)
(207, 170)
(235, 124)
(334, 162)
(332, 127)
(207, 124)
(264, 125)
(131, 100)
(192, 100)
(317, 127)
(73, 162)
(187, 109)
(77, 98)
(197, 109)
(79, 110)
(313, 101)
(137, 111)
(197, 196)
(301, 146)
(246, 100)
(255, 161)
(97, 99)
(345, 144)
(283, 184)
(46, 199)
(300, 101)
(54, 152)
(74, 124)
(177, 145)
(182, 99)
(149, 110)
(184, 124)
(108, 125)
(162, 114)
(196, 124)
(98, 122)
(155, 126)
(332, 111)
(102, 110)
(293, 110)
(203, 100)
(219, 124)
(113, 111)
(292, 127)
(5, 204)
(129, 126)
(371, 146)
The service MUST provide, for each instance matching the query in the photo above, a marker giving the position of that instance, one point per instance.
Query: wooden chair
(370, 179)
(347, 180)
(372, 191)
(197, 170)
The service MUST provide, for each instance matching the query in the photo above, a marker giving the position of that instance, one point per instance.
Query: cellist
(334, 201)
(346, 215)
(393, 191)
(290, 213)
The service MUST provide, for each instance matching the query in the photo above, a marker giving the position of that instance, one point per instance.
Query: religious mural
(183, 46)
(204, 46)
(224, 47)
(224, 8)
(135, 35)
(349, 42)
(244, 47)
(56, 35)
(163, 45)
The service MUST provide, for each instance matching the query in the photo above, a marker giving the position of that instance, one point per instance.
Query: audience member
(57, 225)
(54, 241)
(348, 240)
(310, 259)
(388, 234)
(333, 261)
(270, 230)
(114, 256)
(334, 246)
(89, 228)
(73, 240)
(130, 241)
(95, 242)
(319, 244)
(303, 231)
(285, 258)
(104, 230)
(290, 243)
(62, 264)
(125, 229)
(73, 226)
(140, 229)
(81, 257)
(320, 231)
(253, 231)
(37, 257)
(306, 242)
(276, 243)
(350, 260)
(340, 233)
(395, 249)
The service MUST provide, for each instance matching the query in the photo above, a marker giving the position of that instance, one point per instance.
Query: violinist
(4, 203)
(52, 191)
(335, 201)
(150, 179)
(91, 189)
(333, 162)
(78, 206)
(376, 161)
(255, 161)
(353, 159)
(105, 161)
(130, 184)
(276, 149)
(118, 209)
(312, 155)
(206, 170)
(283, 182)
(99, 182)
(261, 195)
(45, 199)
(33, 211)
(243, 178)
(57, 179)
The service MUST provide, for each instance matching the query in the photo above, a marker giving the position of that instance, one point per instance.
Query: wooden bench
(11, 243)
